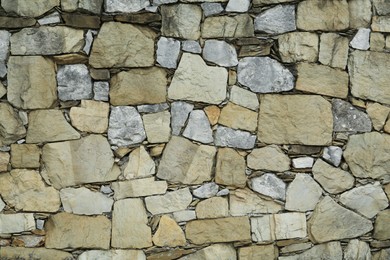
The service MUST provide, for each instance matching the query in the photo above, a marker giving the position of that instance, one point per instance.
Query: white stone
(74, 82)
(227, 137)
(52, 18)
(4, 44)
(179, 113)
(116, 254)
(239, 6)
(191, 46)
(168, 50)
(207, 190)
(361, 40)
(198, 127)
(303, 162)
(269, 185)
(125, 6)
(220, 53)
(277, 20)
(332, 154)
(244, 98)
(170, 202)
(184, 215)
(15, 223)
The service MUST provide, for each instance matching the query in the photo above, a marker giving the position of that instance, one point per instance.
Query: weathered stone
(4, 161)
(331, 250)
(71, 58)
(269, 185)
(382, 254)
(387, 127)
(100, 74)
(15, 223)
(168, 50)
(65, 230)
(216, 251)
(33, 253)
(258, 252)
(140, 18)
(91, 117)
(153, 108)
(138, 188)
(4, 44)
(264, 75)
(377, 41)
(82, 21)
(52, 18)
(140, 164)
(246, 202)
(11, 126)
(25, 156)
(212, 112)
(368, 200)
(378, 115)
(207, 190)
(76, 162)
(49, 126)
(47, 40)
(184, 215)
(211, 8)
(333, 50)
(28, 241)
(324, 16)
(195, 81)
(218, 230)
(228, 26)
(227, 137)
(332, 154)
(112, 254)
(298, 46)
(3, 90)
(269, 158)
(333, 180)
(169, 233)
(83, 201)
(330, 221)
(382, 7)
(181, 21)
(361, 40)
(23, 8)
(16, 22)
(295, 247)
(125, 6)
(277, 20)
(359, 13)
(239, 6)
(125, 126)
(230, 168)
(157, 127)
(381, 230)
(310, 120)
(85, 5)
(191, 46)
(237, 117)
(220, 53)
(129, 225)
(179, 112)
(380, 24)
(269, 2)
(134, 46)
(216, 207)
(198, 127)
(74, 82)
(170, 202)
(244, 98)
(357, 249)
(303, 162)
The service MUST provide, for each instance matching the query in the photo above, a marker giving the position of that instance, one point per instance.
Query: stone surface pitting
(277, 20)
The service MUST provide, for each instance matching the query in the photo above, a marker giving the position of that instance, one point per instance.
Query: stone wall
(226, 129)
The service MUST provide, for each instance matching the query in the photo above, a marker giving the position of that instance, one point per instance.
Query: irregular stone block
(230, 168)
(360, 12)
(347, 118)
(269, 158)
(380, 24)
(228, 27)
(8, 252)
(11, 126)
(361, 40)
(74, 82)
(170, 202)
(138, 188)
(207, 190)
(168, 50)
(227, 137)
(298, 46)
(237, 117)
(4, 161)
(332, 154)
(112, 254)
(331, 250)
(357, 249)
(16, 223)
(211, 8)
(140, 164)
(381, 230)
(91, 116)
(258, 252)
(382, 7)
(269, 185)
(220, 53)
(216, 207)
(24, 8)
(277, 20)
(179, 113)
(25, 156)
(244, 98)
(333, 50)
(169, 233)
(94, 6)
(216, 251)
(125, 6)
(198, 127)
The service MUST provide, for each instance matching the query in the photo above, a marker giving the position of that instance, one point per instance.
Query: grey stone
(112, 254)
(88, 41)
(264, 75)
(184, 215)
(52, 18)
(223, 192)
(15, 223)
(331, 250)
(4, 44)
(198, 127)
(277, 20)
(179, 112)
(382, 7)
(220, 53)
(357, 249)
(168, 50)
(163, 2)
(303, 162)
(361, 40)
(94, 6)
(152, 108)
(269, 185)
(2, 205)
(211, 8)
(191, 46)
(74, 82)
(207, 190)
(125, 126)
(3, 70)
(24, 8)
(170, 202)
(239, 6)
(101, 90)
(125, 6)
(360, 13)
(227, 137)
(332, 154)
(3, 90)
(346, 118)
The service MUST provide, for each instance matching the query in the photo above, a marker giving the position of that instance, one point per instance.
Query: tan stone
(215, 251)
(381, 230)
(268, 2)
(378, 115)
(228, 26)
(71, 58)
(331, 250)
(3, 90)
(24, 8)
(11, 126)
(333, 50)
(4, 161)
(386, 128)
(25, 156)
(212, 113)
(15, 223)
(139, 86)
(140, 164)
(258, 252)
(170, 202)
(359, 13)
(91, 116)
(216, 207)
(33, 253)
(134, 46)
(28, 241)
(138, 188)
(270, 158)
(218, 230)
(380, 24)
(298, 46)
(238, 117)
(295, 119)
(169, 233)
(230, 168)
(157, 126)
(387, 190)
(377, 41)
(244, 98)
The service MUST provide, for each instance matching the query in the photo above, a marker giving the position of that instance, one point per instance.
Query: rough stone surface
(157, 127)
(168, 50)
(333, 50)
(244, 98)
(220, 53)
(184, 215)
(269, 185)
(169, 233)
(14, 223)
(205, 191)
(91, 116)
(381, 230)
(23, 8)
(140, 164)
(73, 5)
(198, 127)
(331, 250)
(239, 6)
(269, 158)
(23, 156)
(258, 252)
(380, 24)
(179, 113)
(212, 112)
(217, 251)
(227, 137)
(228, 26)
(211, 8)
(52, 18)
(360, 12)
(4, 161)
(346, 118)
(112, 254)
(378, 115)
(170, 202)
(361, 40)
(138, 188)
(125, 6)
(298, 46)
(332, 154)
(11, 126)
(382, 7)
(74, 82)
(237, 117)
(230, 168)
(277, 20)
(216, 207)
(100, 90)
(302, 162)
(357, 249)
(191, 46)
(33, 253)
(153, 108)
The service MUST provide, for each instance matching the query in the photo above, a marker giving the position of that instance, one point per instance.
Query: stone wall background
(195, 129)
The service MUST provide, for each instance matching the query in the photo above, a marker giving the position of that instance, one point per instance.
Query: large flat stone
(16, 223)
(138, 188)
(33, 253)
(238, 117)
(220, 53)
(91, 116)
(157, 126)
(24, 8)
(331, 250)
(269, 158)
(347, 118)
(74, 82)
(169, 233)
(277, 20)
(230, 168)
(333, 50)
(298, 46)
(170, 202)
(11, 126)
(228, 26)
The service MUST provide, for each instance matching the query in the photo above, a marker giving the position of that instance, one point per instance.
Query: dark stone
(16, 22)
(347, 118)
(100, 74)
(304, 149)
(142, 18)
(81, 21)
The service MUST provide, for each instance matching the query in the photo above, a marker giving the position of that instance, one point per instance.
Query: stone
(64, 230)
(215, 251)
(212, 112)
(323, 80)
(153, 108)
(23, 8)
(264, 75)
(207, 190)
(191, 46)
(303, 193)
(168, 50)
(130, 225)
(331, 250)
(4, 44)
(228, 26)
(332, 154)
(303, 162)
(239, 6)
(15, 223)
(346, 118)
(333, 180)
(112, 254)
(25, 156)
(220, 53)
(269, 185)
(83, 201)
(140, 53)
(25, 190)
(361, 40)
(28, 78)
(16, 22)
(381, 231)
(28, 241)
(357, 249)
(4, 161)
(378, 115)
(184, 215)
(368, 76)
(100, 74)
(258, 252)
(11, 126)
(269, 158)
(269, 2)
(367, 200)
(70, 163)
(277, 20)
(377, 41)
(329, 16)
(238, 117)
(85, 5)
(246, 202)
(244, 98)
(169, 233)
(195, 81)
(310, 120)
(91, 116)
(179, 113)
(185, 162)
(83, 21)
(382, 254)
(333, 50)
(8, 252)
(218, 230)
(216, 207)
(157, 127)
(125, 6)
(230, 168)
(211, 8)
(181, 21)
(3, 90)
(380, 24)
(387, 190)
(138, 188)
(381, 7)
(74, 82)
(296, 247)
(47, 40)
(359, 13)
(227, 137)
(140, 164)
(140, 18)
(52, 18)
(330, 221)
(49, 126)
(298, 46)
(198, 127)
(125, 126)
(387, 127)
(170, 202)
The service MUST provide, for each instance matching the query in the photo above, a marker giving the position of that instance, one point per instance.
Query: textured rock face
(138, 188)
(346, 118)
(258, 252)
(170, 202)
(169, 233)
(15, 223)
(168, 50)
(91, 116)
(198, 127)
(230, 168)
(270, 158)
(74, 82)
(22, 7)
(298, 46)
(216, 207)
(125, 6)
(333, 50)
(217, 251)
(227, 137)
(113, 254)
(220, 53)
(244, 98)
(277, 20)
(12, 127)
(237, 117)
(38, 253)
(331, 250)
(157, 127)
(140, 164)
(269, 185)
(91, 6)
(381, 231)
(226, 26)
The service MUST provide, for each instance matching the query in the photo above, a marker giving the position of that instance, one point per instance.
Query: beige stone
(129, 225)
(24, 8)
(230, 168)
(323, 15)
(11, 126)
(244, 98)
(140, 164)
(31, 82)
(387, 127)
(333, 50)
(4, 161)
(295, 119)
(298, 46)
(215, 251)
(25, 156)
(357, 249)
(359, 13)
(377, 41)
(138, 188)
(3, 90)
(331, 250)
(387, 190)
(378, 114)
(139, 86)
(387, 43)
(238, 117)
(216, 207)
(381, 230)
(380, 24)
(91, 116)
(169, 233)
(268, 2)
(15, 223)
(258, 252)
(270, 158)
(228, 26)
(170, 202)
(33, 253)
(134, 46)
(320, 79)
(70, 58)
(157, 126)
(212, 112)
(218, 230)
